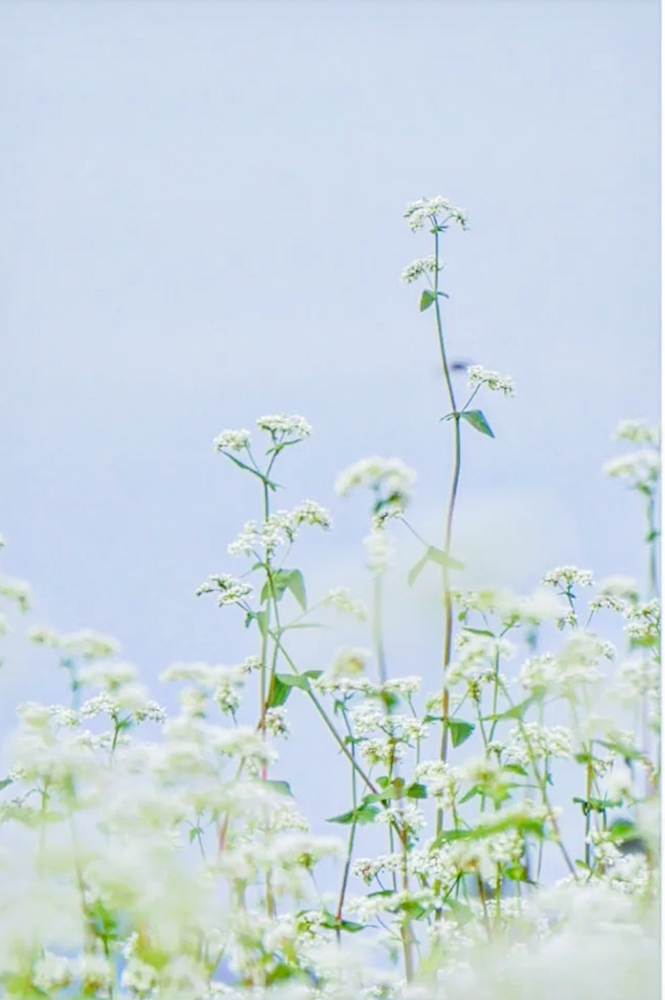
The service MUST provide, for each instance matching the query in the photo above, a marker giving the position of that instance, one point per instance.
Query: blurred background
(202, 223)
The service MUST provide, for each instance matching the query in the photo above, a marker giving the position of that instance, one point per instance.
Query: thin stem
(448, 632)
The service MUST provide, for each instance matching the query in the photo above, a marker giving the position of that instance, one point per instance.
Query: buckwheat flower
(620, 587)
(640, 468)
(536, 742)
(492, 380)
(232, 441)
(138, 977)
(229, 590)
(52, 972)
(417, 213)
(605, 850)
(109, 675)
(440, 780)
(17, 591)
(390, 478)
(310, 512)
(350, 661)
(43, 636)
(95, 972)
(287, 426)
(406, 814)
(340, 599)
(541, 606)
(619, 784)
(566, 576)
(644, 622)
(378, 550)
(608, 602)
(424, 265)
(277, 722)
(637, 677)
(90, 645)
(638, 431)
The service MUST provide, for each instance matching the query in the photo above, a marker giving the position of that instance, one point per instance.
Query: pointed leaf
(477, 419)
(460, 731)
(296, 585)
(426, 300)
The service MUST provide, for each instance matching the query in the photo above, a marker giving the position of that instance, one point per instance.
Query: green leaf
(294, 681)
(460, 731)
(432, 554)
(479, 631)
(261, 619)
(280, 786)
(363, 814)
(296, 585)
(426, 300)
(516, 712)
(279, 692)
(516, 769)
(335, 923)
(477, 419)
(416, 791)
(5, 782)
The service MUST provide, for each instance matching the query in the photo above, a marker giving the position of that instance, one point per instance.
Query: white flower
(232, 440)
(637, 431)
(277, 722)
(138, 977)
(281, 424)
(95, 973)
(379, 550)
(310, 512)
(52, 972)
(619, 586)
(109, 675)
(424, 265)
(427, 209)
(440, 780)
(619, 784)
(390, 478)
(493, 380)
(566, 576)
(640, 468)
(340, 599)
(229, 589)
(16, 590)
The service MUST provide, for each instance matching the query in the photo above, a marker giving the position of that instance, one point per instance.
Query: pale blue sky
(201, 209)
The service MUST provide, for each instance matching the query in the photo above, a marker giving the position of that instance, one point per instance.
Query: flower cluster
(417, 213)
(491, 380)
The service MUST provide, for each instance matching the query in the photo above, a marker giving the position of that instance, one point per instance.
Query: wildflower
(637, 431)
(232, 440)
(425, 265)
(340, 599)
(310, 512)
(17, 591)
(390, 479)
(440, 780)
(427, 209)
(231, 590)
(566, 576)
(535, 742)
(277, 722)
(640, 468)
(493, 380)
(619, 586)
(52, 972)
(280, 424)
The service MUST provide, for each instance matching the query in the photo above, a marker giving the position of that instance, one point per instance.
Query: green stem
(448, 628)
